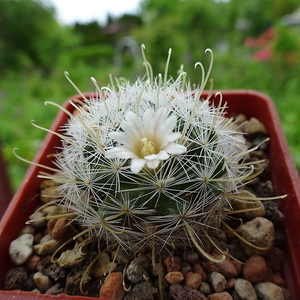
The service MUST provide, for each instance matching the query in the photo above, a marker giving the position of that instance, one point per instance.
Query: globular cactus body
(151, 163)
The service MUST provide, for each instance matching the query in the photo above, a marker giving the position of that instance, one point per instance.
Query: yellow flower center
(148, 148)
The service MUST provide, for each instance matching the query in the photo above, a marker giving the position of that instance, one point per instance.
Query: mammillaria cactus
(152, 164)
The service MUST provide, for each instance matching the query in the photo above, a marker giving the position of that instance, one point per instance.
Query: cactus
(151, 164)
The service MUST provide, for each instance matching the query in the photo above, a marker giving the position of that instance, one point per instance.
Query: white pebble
(43, 282)
(218, 282)
(245, 289)
(21, 248)
(268, 290)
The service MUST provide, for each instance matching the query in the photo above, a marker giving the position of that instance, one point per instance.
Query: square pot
(283, 175)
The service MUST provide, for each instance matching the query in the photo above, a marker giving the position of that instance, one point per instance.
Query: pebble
(185, 268)
(259, 210)
(15, 278)
(226, 267)
(220, 296)
(62, 231)
(276, 258)
(142, 291)
(27, 229)
(20, 249)
(278, 280)
(137, 270)
(32, 263)
(260, 232)
(255, 269)
(113, 287)
(245, 289)
(54, 210)
(43, 282)
(121, 256)
(71, 258)
(174, 277)
(191, 257)
(205, 288)
(193, 280)
(238, 265)
(197, 268)
(47, 183)
(46, 248)
(230, 283)
(268, 290)
(218, 281)
(158, 269)
(179, 292)
(49, 194)
(38, 216)
(254, 126)
(103, 265)
(172, 263)
(45, 238)
(53, 270)
(38, 237)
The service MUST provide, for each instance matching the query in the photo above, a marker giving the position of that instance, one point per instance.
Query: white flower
(148, 141)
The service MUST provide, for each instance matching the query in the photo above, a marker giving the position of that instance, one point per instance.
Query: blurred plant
(30, 36)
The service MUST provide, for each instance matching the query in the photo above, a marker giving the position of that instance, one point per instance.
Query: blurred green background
(256, 45)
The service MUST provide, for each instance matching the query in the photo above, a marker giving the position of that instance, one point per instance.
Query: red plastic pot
(283, 172)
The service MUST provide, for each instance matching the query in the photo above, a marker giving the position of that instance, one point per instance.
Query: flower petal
(121, 137)
(162, 155)
(137, 164)
(170, 138)
(119, 152)
(159, 119)
(153, 164)
(175, 149)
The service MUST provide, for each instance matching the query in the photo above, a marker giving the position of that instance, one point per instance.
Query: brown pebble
(62, 231)
(197, 268)
(174, 277)
(38, 237)
(113, 287)
(46, 248)
(172, 263)
(50, 225)
(259, 232)
(276, 258)
(205, 288)
(278, 280)
(185, 268)
(32, 263)
(238, 265)
(47, 183)
(230, 283)
(191, 257)
(226, 267)
(193, 280)
(255, 269)
(220, 296)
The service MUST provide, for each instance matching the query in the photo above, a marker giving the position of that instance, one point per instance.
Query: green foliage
(30, 35)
